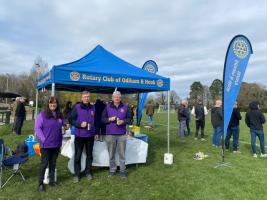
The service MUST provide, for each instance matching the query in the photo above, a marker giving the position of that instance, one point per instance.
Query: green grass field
(185, 179)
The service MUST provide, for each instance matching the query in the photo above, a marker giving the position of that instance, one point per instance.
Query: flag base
(222, 165)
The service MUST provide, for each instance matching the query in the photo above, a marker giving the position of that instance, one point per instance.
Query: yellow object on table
(136, 130)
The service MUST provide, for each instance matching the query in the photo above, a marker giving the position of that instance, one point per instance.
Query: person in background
(233, 129)
(67, 111)
(217, 123)
(182, 116)
(199, 111)
(13, 108)
(116, 116)
(150, 113)
(83, 119)
(188, 120)
(99, 126)
(20, 115)
(255, 120)
(131, 110)
(48, 128)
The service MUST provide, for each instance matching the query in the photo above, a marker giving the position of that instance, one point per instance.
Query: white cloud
(188, 39)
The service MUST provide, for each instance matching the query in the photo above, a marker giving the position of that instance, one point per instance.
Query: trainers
(226, 150)
(195, 138)
(123, 175)
(255, 155)
(89, 177)
(111, 174)
(202, 139)
(263, 155)
(76, 179)
(41, 188)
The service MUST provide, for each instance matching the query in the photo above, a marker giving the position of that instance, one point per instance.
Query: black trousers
(200, 124)
(48, 157)
(188, 127)
(79, 144)
(18, 123)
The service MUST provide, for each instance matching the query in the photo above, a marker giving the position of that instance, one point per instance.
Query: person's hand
(112, 119)
(120, 122)
(96, 137)
(84, 124)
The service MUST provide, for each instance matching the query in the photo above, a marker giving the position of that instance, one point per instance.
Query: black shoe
(123, 175)
(41, 188)
(111, 174)
(52, 184)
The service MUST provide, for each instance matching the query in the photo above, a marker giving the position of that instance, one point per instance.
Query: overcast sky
(187, 39)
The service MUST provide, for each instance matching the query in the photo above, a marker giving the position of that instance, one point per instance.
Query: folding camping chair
(14, 162)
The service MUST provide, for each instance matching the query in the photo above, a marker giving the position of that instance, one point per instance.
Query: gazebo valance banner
(102, 69)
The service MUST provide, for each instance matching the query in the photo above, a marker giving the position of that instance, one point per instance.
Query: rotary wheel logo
(160, 83)
(150, 68)
(240, 48)
(75, 76)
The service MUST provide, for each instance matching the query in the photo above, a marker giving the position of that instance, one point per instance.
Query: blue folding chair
(14, 162)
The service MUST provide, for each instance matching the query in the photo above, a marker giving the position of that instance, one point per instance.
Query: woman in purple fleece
(48, 127)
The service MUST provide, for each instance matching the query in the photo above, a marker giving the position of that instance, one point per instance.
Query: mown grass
(185, 179)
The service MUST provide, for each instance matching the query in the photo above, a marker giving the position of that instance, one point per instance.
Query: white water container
(168, 159)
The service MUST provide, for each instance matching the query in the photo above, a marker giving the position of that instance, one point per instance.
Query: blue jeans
(182, 128)
(217, 135)
(235, 132)
(150, 120)
(260, 134)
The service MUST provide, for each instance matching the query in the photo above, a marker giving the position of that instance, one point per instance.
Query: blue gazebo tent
(100, 71)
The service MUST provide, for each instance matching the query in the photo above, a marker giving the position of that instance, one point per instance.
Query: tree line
(24, 84)
(248, 92)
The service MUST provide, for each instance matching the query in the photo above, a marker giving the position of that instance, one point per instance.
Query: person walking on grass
(199, 111)
(217, 123)
(48, 128)
(188, 120)
(150, 113)
(83, 119)
(182, 117)
(233, 129)
(116, 116)
(255, 120)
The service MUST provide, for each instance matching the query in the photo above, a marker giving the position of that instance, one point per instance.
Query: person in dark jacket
(199, 111)
(254, 120)
(233, 129)
(116, 115)
(188, 120)
(67, 111)
(99, 126)
(182, 117)
(14, 108)
(217, 123)
(48, 128)
(83, 119)
(20, 115)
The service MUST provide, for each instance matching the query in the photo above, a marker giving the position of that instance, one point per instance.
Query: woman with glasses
(48, 127)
